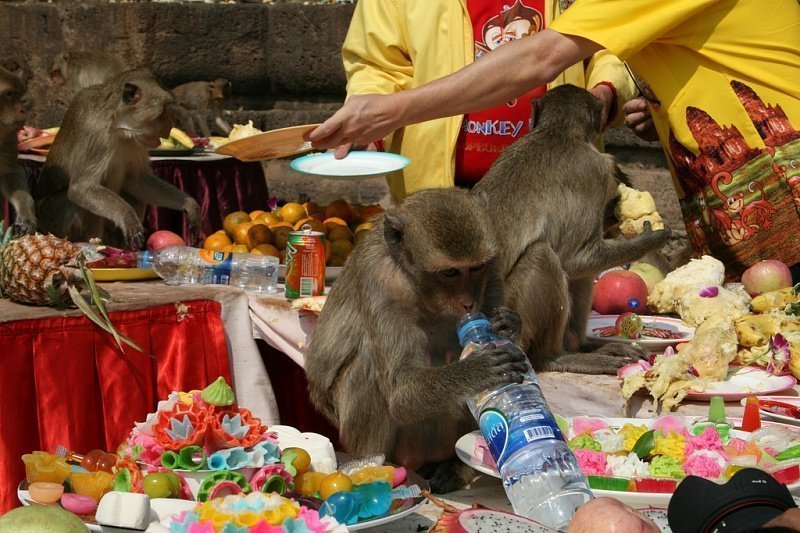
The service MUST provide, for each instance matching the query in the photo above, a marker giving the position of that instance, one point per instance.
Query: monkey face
(58, 70)
(456, 289)
(12, 110)
(144, 109)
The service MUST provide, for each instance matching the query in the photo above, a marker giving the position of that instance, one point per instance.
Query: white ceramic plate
(651, 343)
(791, 400)
(355, 165)
(465, 450)
(744, 382)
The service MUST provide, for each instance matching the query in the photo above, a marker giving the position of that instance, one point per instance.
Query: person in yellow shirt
(722, 82)
(392, 46)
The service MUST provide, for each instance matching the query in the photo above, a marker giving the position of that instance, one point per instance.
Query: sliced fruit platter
(641, 461)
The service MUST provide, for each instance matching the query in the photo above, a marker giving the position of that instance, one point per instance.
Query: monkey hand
(24, 227)
(606, 359)
(491, 365)
(506, 323)
(192, 210)
(134, 237)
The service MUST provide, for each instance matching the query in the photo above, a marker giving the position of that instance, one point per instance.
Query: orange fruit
(333, 221)
(312, 208)
(369, 212)
(258, 234)
(280, 223)
(216, 241)
(338, 233)
(240, 249)
(268, 218)
(339, 209)
(266, 249)
(292, 212)
(240, 233)
(341, 248)
(336, 261)
(233, 220)
(280, 235)
(228, 248)
(313, 223)
(282, 256)
(255, 214)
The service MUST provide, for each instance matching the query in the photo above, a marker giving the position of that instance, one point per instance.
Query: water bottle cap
(146, 259)
(470, 322)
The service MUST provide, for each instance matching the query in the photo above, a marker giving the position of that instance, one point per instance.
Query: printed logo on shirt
(511, 23)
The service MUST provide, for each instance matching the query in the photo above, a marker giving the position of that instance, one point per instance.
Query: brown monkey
(196, 99)
(13, 184)
(382, 363)
(18, 69)
(80, 69)
(98, 169)
(550, 191)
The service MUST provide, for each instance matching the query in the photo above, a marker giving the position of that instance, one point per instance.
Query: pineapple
(38, 269)
(45, 270)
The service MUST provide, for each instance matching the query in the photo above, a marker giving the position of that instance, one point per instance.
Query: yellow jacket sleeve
(605, 66)
(374, 54)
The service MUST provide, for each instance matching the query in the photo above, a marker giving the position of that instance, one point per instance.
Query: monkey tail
(759, 186)
(726, 178)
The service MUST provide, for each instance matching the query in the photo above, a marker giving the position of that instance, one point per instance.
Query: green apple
(649, 273)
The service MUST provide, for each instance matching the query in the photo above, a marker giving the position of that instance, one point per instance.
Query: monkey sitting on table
(382, 363)
(13, 183)
(195, 99)
(551, 191)
(97, 180)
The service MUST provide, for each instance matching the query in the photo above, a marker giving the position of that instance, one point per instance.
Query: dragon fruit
(478, 519)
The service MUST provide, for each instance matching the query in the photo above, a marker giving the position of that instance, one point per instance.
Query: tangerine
(240, 233)
(333, 221)
(282, 256)
(266, 249)
(338, 233)
(369, 212)
(255, 214)
(240, 249)
(292, 212)
(280, 235)
(312, 208)
(341, 248)
(258, 234)
(269, 218)
(313, 223)
(339, 209)
(216, 241)
(234, 219)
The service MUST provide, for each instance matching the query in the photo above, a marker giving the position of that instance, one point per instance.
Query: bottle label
(505, 437)
(218, 269)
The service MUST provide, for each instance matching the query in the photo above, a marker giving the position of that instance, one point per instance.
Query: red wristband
(379, 145)
(612, 111)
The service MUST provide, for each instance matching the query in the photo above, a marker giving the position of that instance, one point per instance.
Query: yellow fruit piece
(234, 219)
(92, 484)
(368, 474)
(216, 241)
(292, 212)
(181, 138)
(308, 483)
(333, 483)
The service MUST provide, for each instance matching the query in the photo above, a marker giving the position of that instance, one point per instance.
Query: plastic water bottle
(184, 264)
(540, 473)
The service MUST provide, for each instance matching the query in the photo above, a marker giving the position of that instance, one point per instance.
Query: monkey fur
(196, 99)
(382, 363)
(13, 183)
(79, 69)
(549, 193)
(97, 180)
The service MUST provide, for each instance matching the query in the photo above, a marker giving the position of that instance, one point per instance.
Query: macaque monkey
(97, 178)
(196, 99)
(13, 183)
(80, 69)
(551, 192)
(18, 69)
(382, 363)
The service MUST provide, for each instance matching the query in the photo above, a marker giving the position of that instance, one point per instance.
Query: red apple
(765, 276)
(162, 239)
(618, 291)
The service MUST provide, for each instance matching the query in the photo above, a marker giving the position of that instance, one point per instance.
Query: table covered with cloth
(64, 381)
(221, 185)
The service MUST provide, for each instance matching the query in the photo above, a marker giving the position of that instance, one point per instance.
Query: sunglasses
(644, 87)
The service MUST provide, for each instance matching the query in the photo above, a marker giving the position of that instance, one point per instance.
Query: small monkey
(80, 69)
(13, 183)
(382, 363)
(97, 180)
(552, 190)
(196, 99)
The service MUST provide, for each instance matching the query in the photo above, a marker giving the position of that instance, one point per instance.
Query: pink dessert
(592, 463)
(588, 424)
(707, 440)
(704, 463)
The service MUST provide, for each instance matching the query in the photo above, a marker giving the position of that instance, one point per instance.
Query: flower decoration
(183, 425)
(230, 427)
(779, 355)
(265, 474)
(711, 291)
(42, 466)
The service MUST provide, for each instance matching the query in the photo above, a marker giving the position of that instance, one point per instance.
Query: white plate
(791, 400)
(354, 166)
(745, 381)
(465, 450)
(651, 343)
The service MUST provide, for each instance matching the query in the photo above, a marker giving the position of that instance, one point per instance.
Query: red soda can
(305, 263)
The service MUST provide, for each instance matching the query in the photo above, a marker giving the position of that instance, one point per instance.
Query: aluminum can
(305, 264)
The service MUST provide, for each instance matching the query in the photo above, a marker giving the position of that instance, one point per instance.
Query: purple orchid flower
(709, 292)
(780, 355)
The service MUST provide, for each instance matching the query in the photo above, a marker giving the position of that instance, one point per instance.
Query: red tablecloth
(220, 186)
(54, 372)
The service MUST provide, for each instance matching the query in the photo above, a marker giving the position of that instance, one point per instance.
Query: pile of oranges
(266, 232)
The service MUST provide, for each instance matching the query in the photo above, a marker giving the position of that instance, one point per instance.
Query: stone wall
(283, 60)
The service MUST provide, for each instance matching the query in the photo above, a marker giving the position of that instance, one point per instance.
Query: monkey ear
(393, 229)
(131, 94)
(482, 198)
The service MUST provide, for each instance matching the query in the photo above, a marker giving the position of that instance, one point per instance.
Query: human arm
(605, 68)
(525, 63)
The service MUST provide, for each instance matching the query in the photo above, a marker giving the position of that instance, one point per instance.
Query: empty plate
(354, 166)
